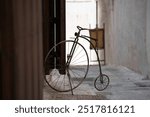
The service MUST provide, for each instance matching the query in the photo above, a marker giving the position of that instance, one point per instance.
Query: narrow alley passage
(125, 84)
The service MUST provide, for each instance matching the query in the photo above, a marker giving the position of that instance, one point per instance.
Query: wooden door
(53, 29)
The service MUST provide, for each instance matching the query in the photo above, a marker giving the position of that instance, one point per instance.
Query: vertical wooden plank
(40, 51)
(29, 46)
(48, 28)
(62, 33)
(6, 49)
(20, 45)
(36, 46)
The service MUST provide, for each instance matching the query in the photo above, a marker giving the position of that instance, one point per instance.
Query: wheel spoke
(60, 82)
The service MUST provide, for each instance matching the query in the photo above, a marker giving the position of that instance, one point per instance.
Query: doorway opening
(83, 13)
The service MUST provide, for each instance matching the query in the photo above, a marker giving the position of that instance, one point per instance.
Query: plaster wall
(126, 37)
(148, 34)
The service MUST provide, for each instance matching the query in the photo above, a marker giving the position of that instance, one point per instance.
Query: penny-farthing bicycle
(76, 65)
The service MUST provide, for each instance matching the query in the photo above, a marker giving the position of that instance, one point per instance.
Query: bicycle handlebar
(80, 28)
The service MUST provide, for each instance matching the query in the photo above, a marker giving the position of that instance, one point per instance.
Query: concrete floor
(124, 85)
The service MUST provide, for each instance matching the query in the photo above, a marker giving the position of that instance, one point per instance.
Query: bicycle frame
(74, 46)
(96, 50)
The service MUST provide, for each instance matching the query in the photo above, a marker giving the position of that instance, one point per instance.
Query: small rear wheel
(101, 82)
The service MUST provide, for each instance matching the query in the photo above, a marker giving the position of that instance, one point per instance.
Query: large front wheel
(68, 76)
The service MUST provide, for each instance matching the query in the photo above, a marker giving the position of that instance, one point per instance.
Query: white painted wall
(126, 34)
(148, 35)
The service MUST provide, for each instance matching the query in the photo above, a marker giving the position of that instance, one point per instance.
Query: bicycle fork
(99, 64)
(96, 51)
(69, 58)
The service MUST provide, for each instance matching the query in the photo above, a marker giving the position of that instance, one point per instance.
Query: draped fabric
(21, 47)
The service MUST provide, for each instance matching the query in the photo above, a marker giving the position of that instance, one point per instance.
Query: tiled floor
(124, 85)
